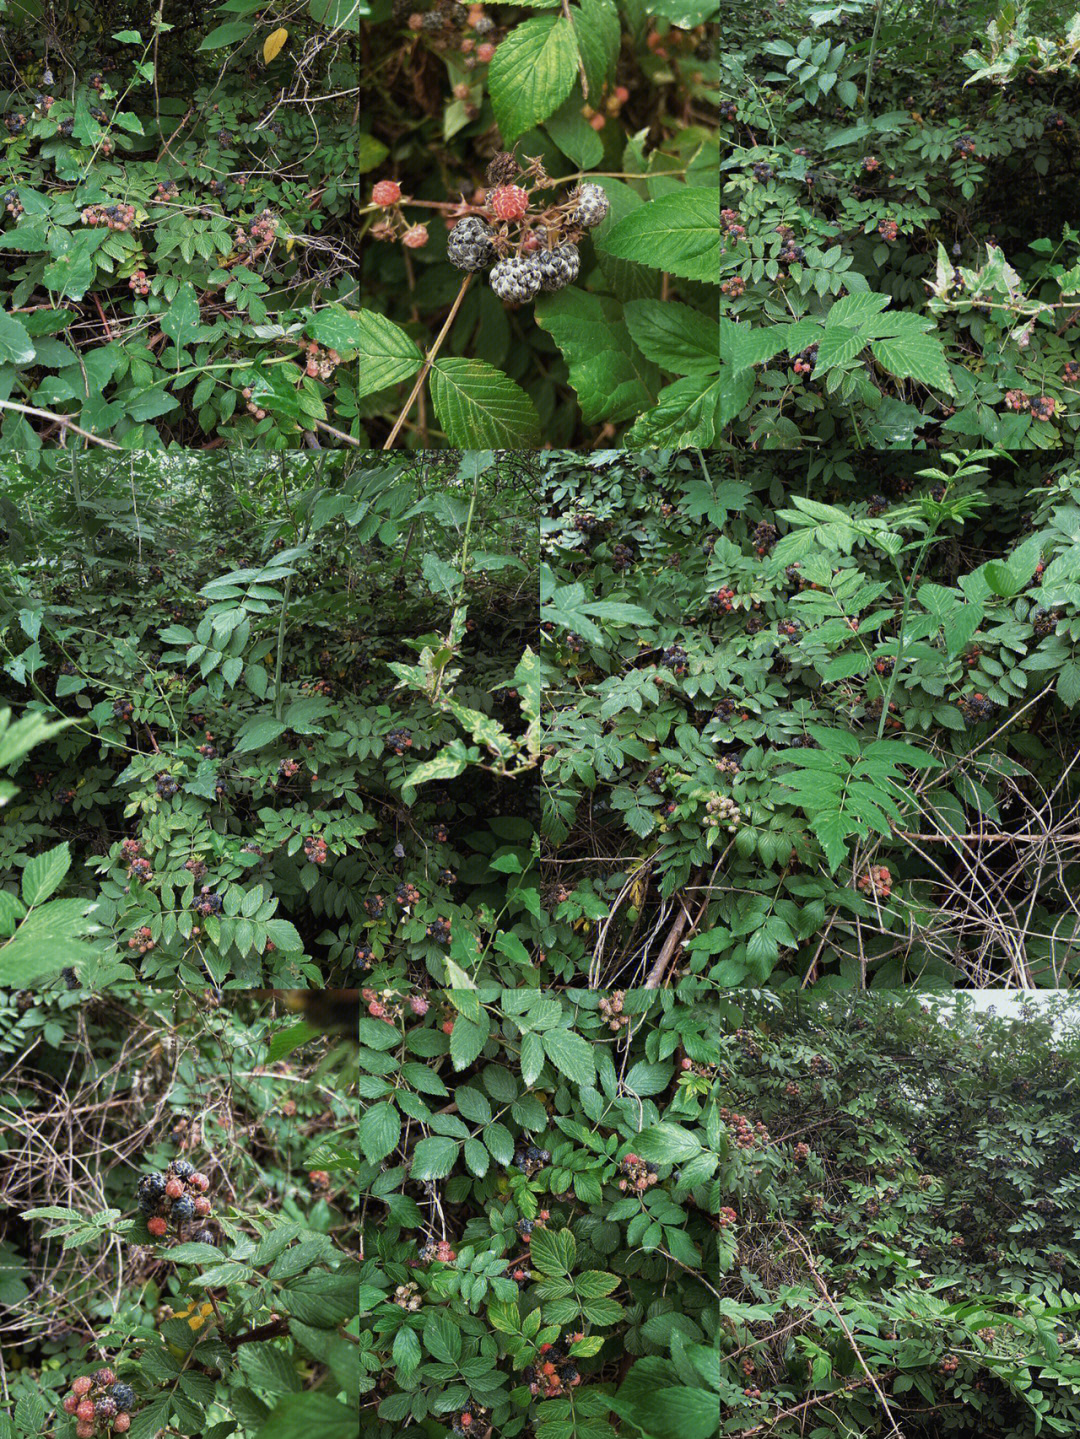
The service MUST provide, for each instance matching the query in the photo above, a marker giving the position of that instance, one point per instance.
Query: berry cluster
(438, 931)
(208, 901)
(375, 906)
(802, 1153)
(790, 629)
(315, 849)
(727, 764)
(612, 1010)
(252, 407)
(320, 365)
(138, 283)
(470, 1421)
(820, 1065)
(259, 235)
(622, 557)
(140, 869)
(734, 288)
(12, 204)
(870, 164)
(530, 1159)
(442, 1251)
(727, 1216)
(949, 1365)
(888, 230)
(142, 940)
(747, 1134)
(397, 741)
(639, 1174)
(407, 1297)
(16, 123)
(877, 880)
(364, 956)
(406, 895)
(976, 708)
(166, 785)
(179, 1196)
(554, 1372)
(721, 809)
(195, 866)
(732, 226)
(526, 252)
(114, 217)
(100, 1399)
(763, 537)
(675, 659)
(1070, 375)
(805, 360)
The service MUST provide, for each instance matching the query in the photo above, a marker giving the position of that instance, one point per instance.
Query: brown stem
(428, 362)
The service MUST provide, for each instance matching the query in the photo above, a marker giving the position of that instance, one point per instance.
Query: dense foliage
(901, 1256)
(179, 189)
(237, 1323)
(298, 714)
(542, 1216)
(811, 720)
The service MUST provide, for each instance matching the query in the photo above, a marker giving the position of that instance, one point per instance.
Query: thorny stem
(428, 362)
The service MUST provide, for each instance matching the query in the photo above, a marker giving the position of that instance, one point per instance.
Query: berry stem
(426, 366)
(64, 421)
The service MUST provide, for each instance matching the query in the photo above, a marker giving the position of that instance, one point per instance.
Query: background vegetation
(299, 711)
(179, 186)
(903, 1254)
(811, 720)
(254, 1334)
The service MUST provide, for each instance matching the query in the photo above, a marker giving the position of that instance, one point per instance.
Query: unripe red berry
(104, 1376)
(509, 202)
(71, 1403)
(415, 237)
(174, 1188)
(385, 193)
(485, 53)
(202, 1205)
(122, 1423)
(82, 1385)
(687, 1063)
(200, 1182)
(85, 1411)
(157, 1226)
(84, 1430)
(447, 1026)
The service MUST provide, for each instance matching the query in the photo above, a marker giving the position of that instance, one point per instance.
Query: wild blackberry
(364, 956)
(375, 906)
(471, 244)
(877, 506)
(439, 931)
(517, 279)
(674, 659)
(124, 1396)
(182, 1168)
(763, 536)
(397, 741)
(592, 206)
(204, 1236)
(166, 785)
(558, 267)
(182, 1209)
(105, 1408)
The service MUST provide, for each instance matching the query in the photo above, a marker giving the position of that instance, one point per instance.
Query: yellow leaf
(274, 44)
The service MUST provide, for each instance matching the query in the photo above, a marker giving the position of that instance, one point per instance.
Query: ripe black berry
(124, 1396)
(182, 1209)
(166, 785)
(202, 1236)
(397, 741)
(182, 1168)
